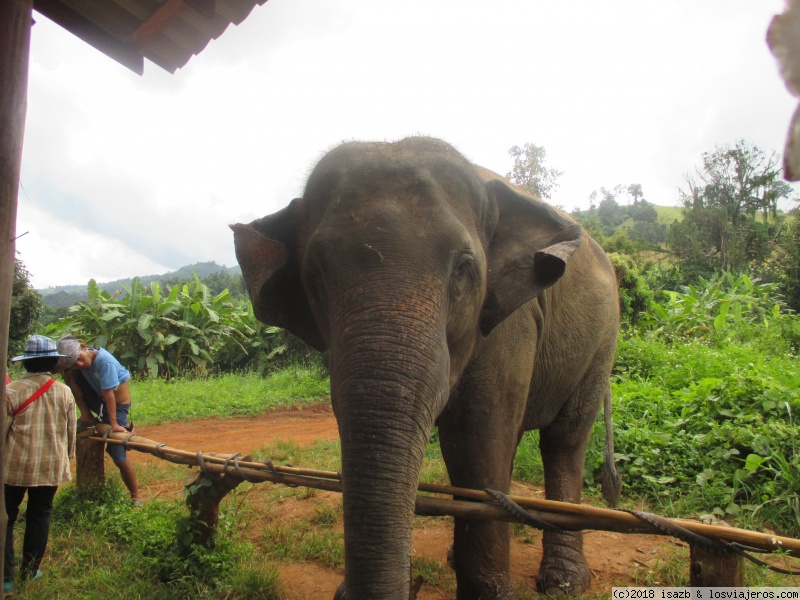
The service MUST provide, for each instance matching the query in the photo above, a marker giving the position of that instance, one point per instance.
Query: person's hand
(118, 429)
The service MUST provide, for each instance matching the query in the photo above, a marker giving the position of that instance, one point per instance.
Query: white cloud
(58, 253)
(152, 169)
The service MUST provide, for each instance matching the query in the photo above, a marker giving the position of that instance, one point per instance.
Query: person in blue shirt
(100, 386)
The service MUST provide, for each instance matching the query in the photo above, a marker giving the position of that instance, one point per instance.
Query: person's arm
(69, 379)
(110, 399)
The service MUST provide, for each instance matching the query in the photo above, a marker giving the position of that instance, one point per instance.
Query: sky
(126, 175)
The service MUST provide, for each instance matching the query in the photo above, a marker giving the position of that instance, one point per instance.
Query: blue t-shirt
(106, 373)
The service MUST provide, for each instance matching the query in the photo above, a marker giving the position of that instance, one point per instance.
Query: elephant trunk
(388, 382)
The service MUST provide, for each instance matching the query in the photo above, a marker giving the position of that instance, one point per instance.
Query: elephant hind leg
(564, 570)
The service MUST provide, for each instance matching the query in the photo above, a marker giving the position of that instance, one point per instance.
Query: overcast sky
(125, 175)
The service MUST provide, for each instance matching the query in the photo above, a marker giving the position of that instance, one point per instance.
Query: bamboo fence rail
(472, 504)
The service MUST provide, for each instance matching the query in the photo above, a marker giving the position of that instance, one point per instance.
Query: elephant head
(398, 260)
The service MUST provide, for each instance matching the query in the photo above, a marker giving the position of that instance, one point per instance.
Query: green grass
(323, 456)
(230, 395)
(304, 540)
(435, 573)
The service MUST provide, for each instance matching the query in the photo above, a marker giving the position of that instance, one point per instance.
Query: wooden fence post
(89, 463)
(707, 569)
(205, 492)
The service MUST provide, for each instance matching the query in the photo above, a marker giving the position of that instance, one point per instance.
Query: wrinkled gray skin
(444, 296)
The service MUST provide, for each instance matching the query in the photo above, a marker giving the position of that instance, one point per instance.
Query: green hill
(667, 215)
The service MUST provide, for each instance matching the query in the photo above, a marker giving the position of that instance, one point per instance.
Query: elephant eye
(464, 274)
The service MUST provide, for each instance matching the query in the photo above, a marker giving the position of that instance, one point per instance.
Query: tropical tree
(742, 180)
(529, 170)
(607, 205)
(645, 223)
(730, 210)
(608, 210)
(635, 192)
(783, 265)
(26, 309)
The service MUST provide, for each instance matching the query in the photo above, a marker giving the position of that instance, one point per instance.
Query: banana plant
(185, 328)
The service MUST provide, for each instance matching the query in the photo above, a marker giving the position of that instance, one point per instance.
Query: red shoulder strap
(36, 394)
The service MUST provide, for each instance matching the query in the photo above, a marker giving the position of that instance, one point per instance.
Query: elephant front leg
(564, 570)
(481, 559)
(480, 554)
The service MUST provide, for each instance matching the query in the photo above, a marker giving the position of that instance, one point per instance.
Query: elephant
(445, 297)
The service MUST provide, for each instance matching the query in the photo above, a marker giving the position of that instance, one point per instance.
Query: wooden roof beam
(165, 14)
(73, 22)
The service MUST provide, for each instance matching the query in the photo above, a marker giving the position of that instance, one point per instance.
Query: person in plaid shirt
(40, 442)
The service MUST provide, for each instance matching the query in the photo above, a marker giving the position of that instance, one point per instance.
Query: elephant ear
(528, 251)
(267, 251)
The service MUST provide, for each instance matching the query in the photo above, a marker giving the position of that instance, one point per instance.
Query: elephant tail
(611, 482)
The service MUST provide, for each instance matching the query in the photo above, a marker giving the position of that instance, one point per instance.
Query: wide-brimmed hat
(38, 346)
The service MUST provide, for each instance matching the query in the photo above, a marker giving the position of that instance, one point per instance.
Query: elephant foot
(564, 570)
(563, 576)
(488, 588)
(340, 593)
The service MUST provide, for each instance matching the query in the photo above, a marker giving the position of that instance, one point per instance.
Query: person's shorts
(117, 452)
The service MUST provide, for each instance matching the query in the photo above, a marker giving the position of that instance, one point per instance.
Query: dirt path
(614, 559)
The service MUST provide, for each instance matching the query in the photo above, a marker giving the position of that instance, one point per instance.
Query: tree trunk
(89, 465)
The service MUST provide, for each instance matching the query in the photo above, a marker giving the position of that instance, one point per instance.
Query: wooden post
(15, 42)
(205, 492)
(89, 463)
(712, 570)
